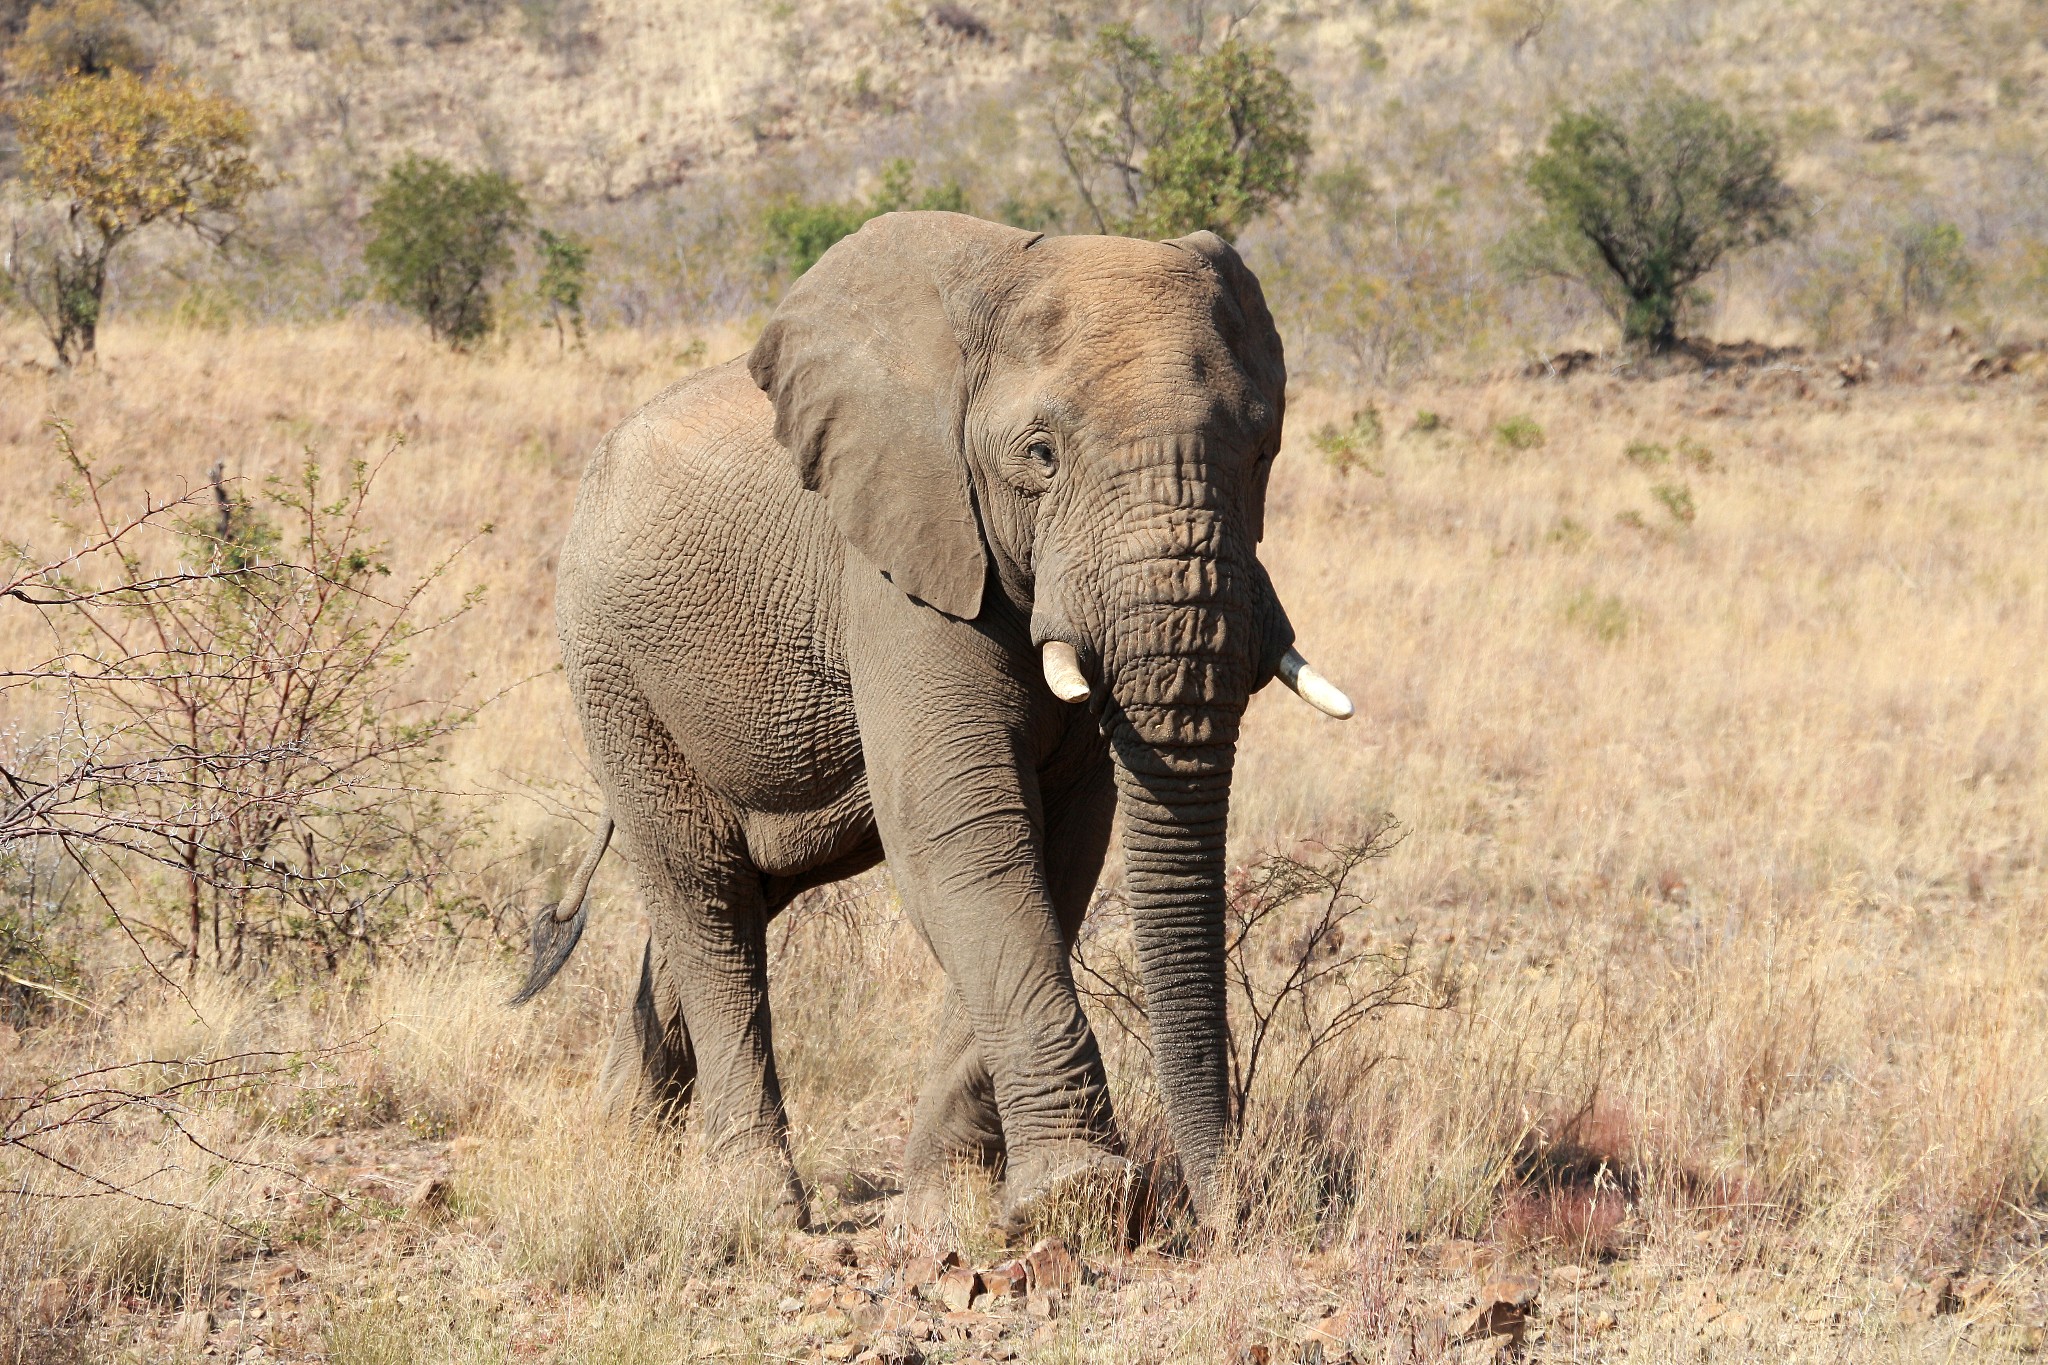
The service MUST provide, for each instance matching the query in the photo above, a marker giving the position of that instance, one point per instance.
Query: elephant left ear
(865, 361)
(1247, 327)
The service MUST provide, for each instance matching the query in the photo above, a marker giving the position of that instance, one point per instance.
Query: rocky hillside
(661, 127)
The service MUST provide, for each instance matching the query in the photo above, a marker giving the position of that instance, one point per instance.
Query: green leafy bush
(440, 241)
(799, 231)
(1640, 200)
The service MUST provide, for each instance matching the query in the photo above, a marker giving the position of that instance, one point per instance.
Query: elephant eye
(1042, 455)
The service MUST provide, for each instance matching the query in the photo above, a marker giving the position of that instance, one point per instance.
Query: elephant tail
(556, 932)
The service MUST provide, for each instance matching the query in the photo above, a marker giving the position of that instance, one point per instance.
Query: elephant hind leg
(957, 1122)
(650, 1069)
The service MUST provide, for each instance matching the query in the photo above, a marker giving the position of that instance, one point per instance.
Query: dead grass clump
(581, 1200)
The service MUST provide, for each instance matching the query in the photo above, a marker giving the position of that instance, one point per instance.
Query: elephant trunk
(1180, 666)
(1176, 811)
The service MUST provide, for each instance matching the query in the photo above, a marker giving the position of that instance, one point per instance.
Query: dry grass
(1730, 831)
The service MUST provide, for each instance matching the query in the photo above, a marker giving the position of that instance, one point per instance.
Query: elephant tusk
(1063, 671)
(1311, 686)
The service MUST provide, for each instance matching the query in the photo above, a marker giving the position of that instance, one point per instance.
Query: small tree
(1641, 201)
(564, 272)
(440, 240)
(118, 153)
(1158, 148)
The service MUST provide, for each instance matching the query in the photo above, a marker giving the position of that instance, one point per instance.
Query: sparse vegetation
(564, 276)
(235, 720)
(1518, 431)
(1353, 445)
(1618, 745)
(1676, 499)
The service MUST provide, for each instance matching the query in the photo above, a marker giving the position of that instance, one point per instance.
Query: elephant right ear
(864, 363)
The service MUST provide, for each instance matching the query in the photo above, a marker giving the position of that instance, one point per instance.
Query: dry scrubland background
(1713, 706)
(1730, 832)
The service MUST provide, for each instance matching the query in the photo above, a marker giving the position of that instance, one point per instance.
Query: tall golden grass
(1716, 718)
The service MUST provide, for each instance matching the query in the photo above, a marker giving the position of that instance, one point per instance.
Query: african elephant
(844, 601)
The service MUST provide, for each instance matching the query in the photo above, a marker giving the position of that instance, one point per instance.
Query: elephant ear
(1248, 329)
(865, 365)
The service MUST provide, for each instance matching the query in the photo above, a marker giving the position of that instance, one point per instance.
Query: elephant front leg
(955, 796)
(957, 1122)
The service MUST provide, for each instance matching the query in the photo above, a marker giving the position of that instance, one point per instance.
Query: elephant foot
(1083, 1193)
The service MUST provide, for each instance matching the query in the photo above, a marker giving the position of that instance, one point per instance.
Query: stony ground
(374, 1226)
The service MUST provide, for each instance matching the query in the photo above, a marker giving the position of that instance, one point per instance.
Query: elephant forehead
(1112, 310)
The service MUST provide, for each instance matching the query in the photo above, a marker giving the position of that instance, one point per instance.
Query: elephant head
(1082, 428)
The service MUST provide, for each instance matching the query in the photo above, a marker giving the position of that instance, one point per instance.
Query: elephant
(955, 565)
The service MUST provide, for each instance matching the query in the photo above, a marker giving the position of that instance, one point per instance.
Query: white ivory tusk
(1311, 686)
(1063, 671)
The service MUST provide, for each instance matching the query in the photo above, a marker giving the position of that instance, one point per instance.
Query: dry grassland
(1728, 816)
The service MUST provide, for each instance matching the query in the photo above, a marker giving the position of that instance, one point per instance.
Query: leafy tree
(440, 240)
(1640, 201)
(799, 231)
(1157, 147)
(75, 38)
(117, 154)
(564, 273)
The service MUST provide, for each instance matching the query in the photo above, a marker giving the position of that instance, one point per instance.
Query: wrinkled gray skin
(802, 603)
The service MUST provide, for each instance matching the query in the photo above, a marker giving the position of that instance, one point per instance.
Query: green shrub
(1641, 199)
(1696, 454)
(440, 241)
(799, 231)
(1677, 500)
(1644, 454)
(1519, 432)
(1352, 445)
(1427, 423)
